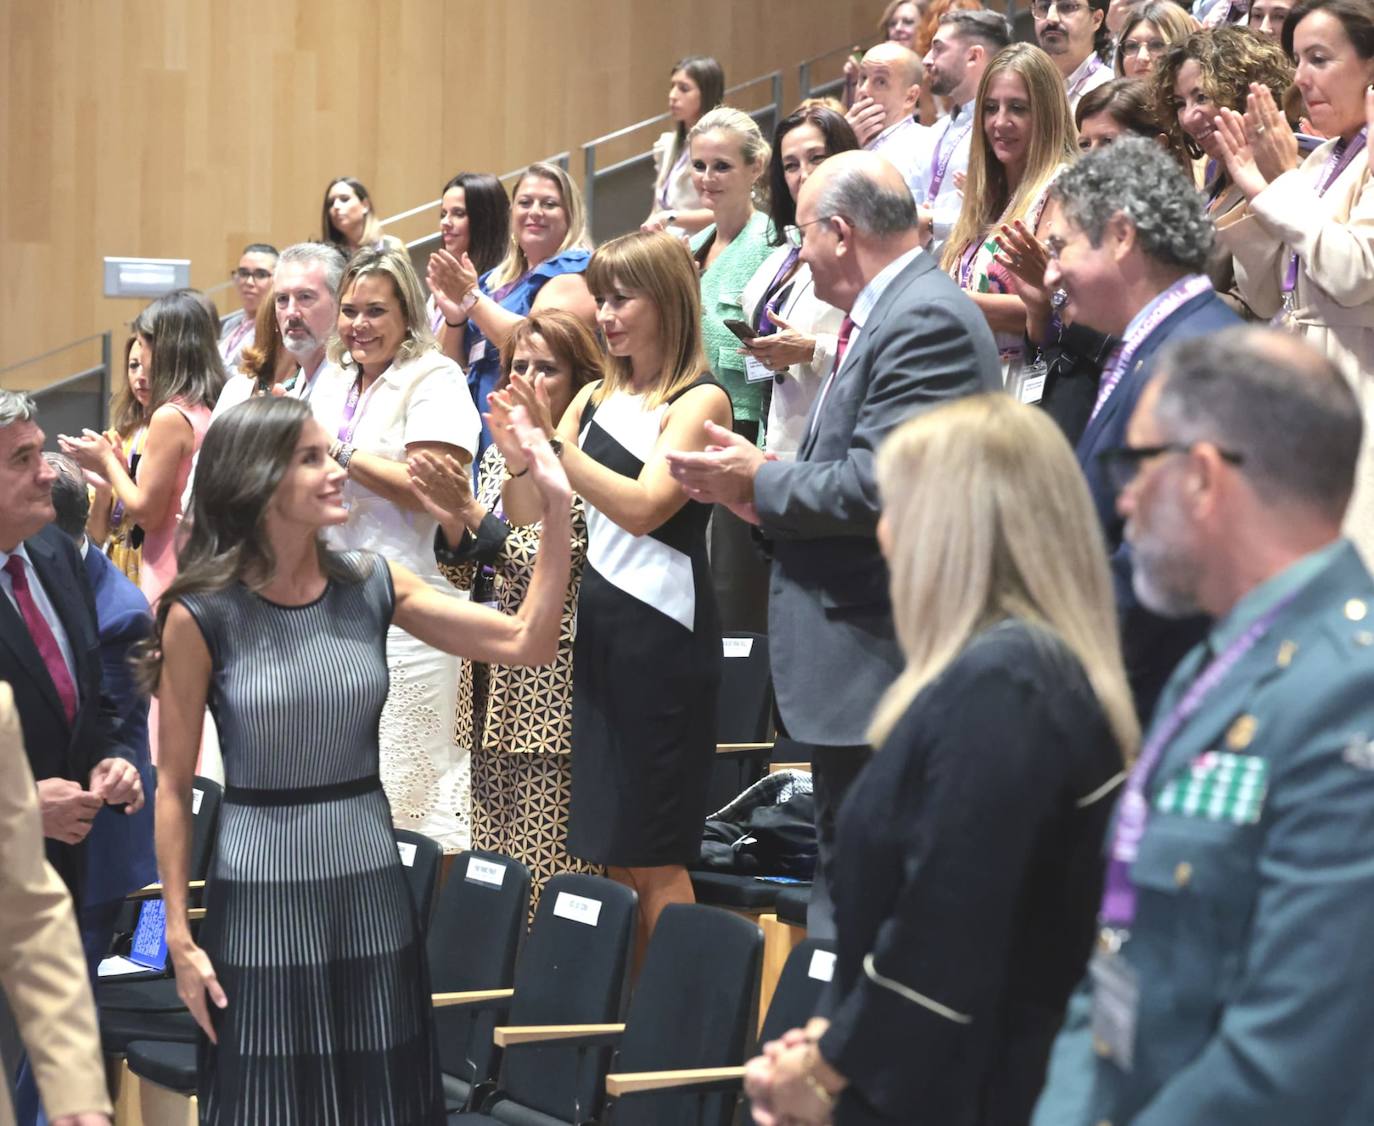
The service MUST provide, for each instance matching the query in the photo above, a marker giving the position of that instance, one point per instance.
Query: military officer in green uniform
(1233, 983)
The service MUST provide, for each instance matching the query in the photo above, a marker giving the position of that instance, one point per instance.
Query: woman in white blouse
(1304, 241)
(696, 87)
(797, 330)
(393, 394)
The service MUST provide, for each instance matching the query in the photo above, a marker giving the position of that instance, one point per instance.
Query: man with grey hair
(305, 287)
(1128, 239)
(1230, 985)
(910, 340)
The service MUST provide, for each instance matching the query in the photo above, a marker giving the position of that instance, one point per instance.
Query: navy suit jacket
(58, 748)
(1152, 645)
(119, 850)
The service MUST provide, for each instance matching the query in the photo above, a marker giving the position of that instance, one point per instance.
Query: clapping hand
(1025, 258)
(442, 484)
(1271, 141)
(1234, 143)
(546, 471)
(92, 451)
(533, 395)
(450, 280)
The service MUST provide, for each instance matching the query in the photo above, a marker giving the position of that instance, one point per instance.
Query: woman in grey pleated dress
(308, 975)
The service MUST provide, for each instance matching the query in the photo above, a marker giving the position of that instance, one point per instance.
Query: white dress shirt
(902, 144)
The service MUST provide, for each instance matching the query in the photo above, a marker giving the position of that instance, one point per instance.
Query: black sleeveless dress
(310, 923)
(646, 665)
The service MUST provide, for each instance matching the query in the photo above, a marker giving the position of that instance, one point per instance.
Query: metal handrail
(589, 167)
(52, 352)
(562, 159)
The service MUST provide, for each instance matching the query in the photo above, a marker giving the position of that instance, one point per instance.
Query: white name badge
(485, 872)
(477, 351)
(737, 646)
(196, 796)
(822, 966)
(407, 851)
(578, 908)
(1033, 382)
(1116, 1001)
(755, 372)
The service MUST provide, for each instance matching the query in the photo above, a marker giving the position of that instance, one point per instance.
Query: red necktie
(842, 343)
(42, 635)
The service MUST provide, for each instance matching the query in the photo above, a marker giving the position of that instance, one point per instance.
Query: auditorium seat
(420, 857)
(478, 925)
(573, 970)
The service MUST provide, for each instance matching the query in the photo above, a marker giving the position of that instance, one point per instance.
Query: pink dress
(160, 543)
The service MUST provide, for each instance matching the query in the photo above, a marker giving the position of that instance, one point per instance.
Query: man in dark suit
(911, 340)
(119, 850)
(49, 652)
(1128, 239)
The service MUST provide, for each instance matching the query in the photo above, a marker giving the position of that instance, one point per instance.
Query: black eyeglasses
(1122, 464)
(257, 275)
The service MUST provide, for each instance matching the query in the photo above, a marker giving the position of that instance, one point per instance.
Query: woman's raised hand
(534, 397)
(450, 279)
(1272, 142)
(500, 407)
(1234, 143)
(546, 471)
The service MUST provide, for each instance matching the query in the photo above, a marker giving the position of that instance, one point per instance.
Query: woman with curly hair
(1196, 79)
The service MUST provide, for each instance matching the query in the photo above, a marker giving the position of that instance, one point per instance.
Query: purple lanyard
(966, 263)
(1119, 899)
(352, 413)
(1336, 163)
(762, 323)
(942, 164)
(1169, 302)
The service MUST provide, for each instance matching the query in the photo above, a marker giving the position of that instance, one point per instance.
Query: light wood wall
(187, 128)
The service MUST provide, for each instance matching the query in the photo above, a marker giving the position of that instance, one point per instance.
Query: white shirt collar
(870, 294)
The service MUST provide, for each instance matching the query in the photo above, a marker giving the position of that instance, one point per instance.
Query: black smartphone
(743, 329)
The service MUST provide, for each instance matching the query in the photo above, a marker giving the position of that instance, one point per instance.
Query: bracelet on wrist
(344, 455)
(512, 476)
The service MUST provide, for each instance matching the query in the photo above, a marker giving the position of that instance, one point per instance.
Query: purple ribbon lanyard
(1119, 899)
(352, 415)
(1170, 301)
(1336, 163)
(763, 323)
(942, 164)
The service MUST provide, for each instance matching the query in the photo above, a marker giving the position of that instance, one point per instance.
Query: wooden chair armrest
(742, 748)
(630, 1082)
(505, 1036)
(773, 768)
(195, 914)
(154, 891)
(472, 998)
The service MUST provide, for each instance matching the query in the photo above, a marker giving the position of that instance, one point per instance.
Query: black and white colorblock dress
(310, 923)
(646, 665)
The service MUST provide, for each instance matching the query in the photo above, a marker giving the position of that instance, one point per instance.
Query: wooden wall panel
(186, 128)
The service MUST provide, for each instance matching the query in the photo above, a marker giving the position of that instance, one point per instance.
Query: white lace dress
(425, 773)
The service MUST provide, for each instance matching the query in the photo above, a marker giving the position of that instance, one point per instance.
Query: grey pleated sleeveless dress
(310, 924)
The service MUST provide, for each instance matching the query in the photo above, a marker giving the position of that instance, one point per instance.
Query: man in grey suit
(911, 340)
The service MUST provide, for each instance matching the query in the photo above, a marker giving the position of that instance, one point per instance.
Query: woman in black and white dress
(646, 662)
(308, 978)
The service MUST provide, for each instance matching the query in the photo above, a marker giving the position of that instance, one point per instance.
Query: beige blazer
(42, 967)
(1334, 307)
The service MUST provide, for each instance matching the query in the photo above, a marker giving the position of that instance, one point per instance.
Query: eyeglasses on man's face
(1122, 464)
(1067, 10)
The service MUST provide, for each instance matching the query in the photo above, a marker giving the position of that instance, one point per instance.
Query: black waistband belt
(302, 795)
